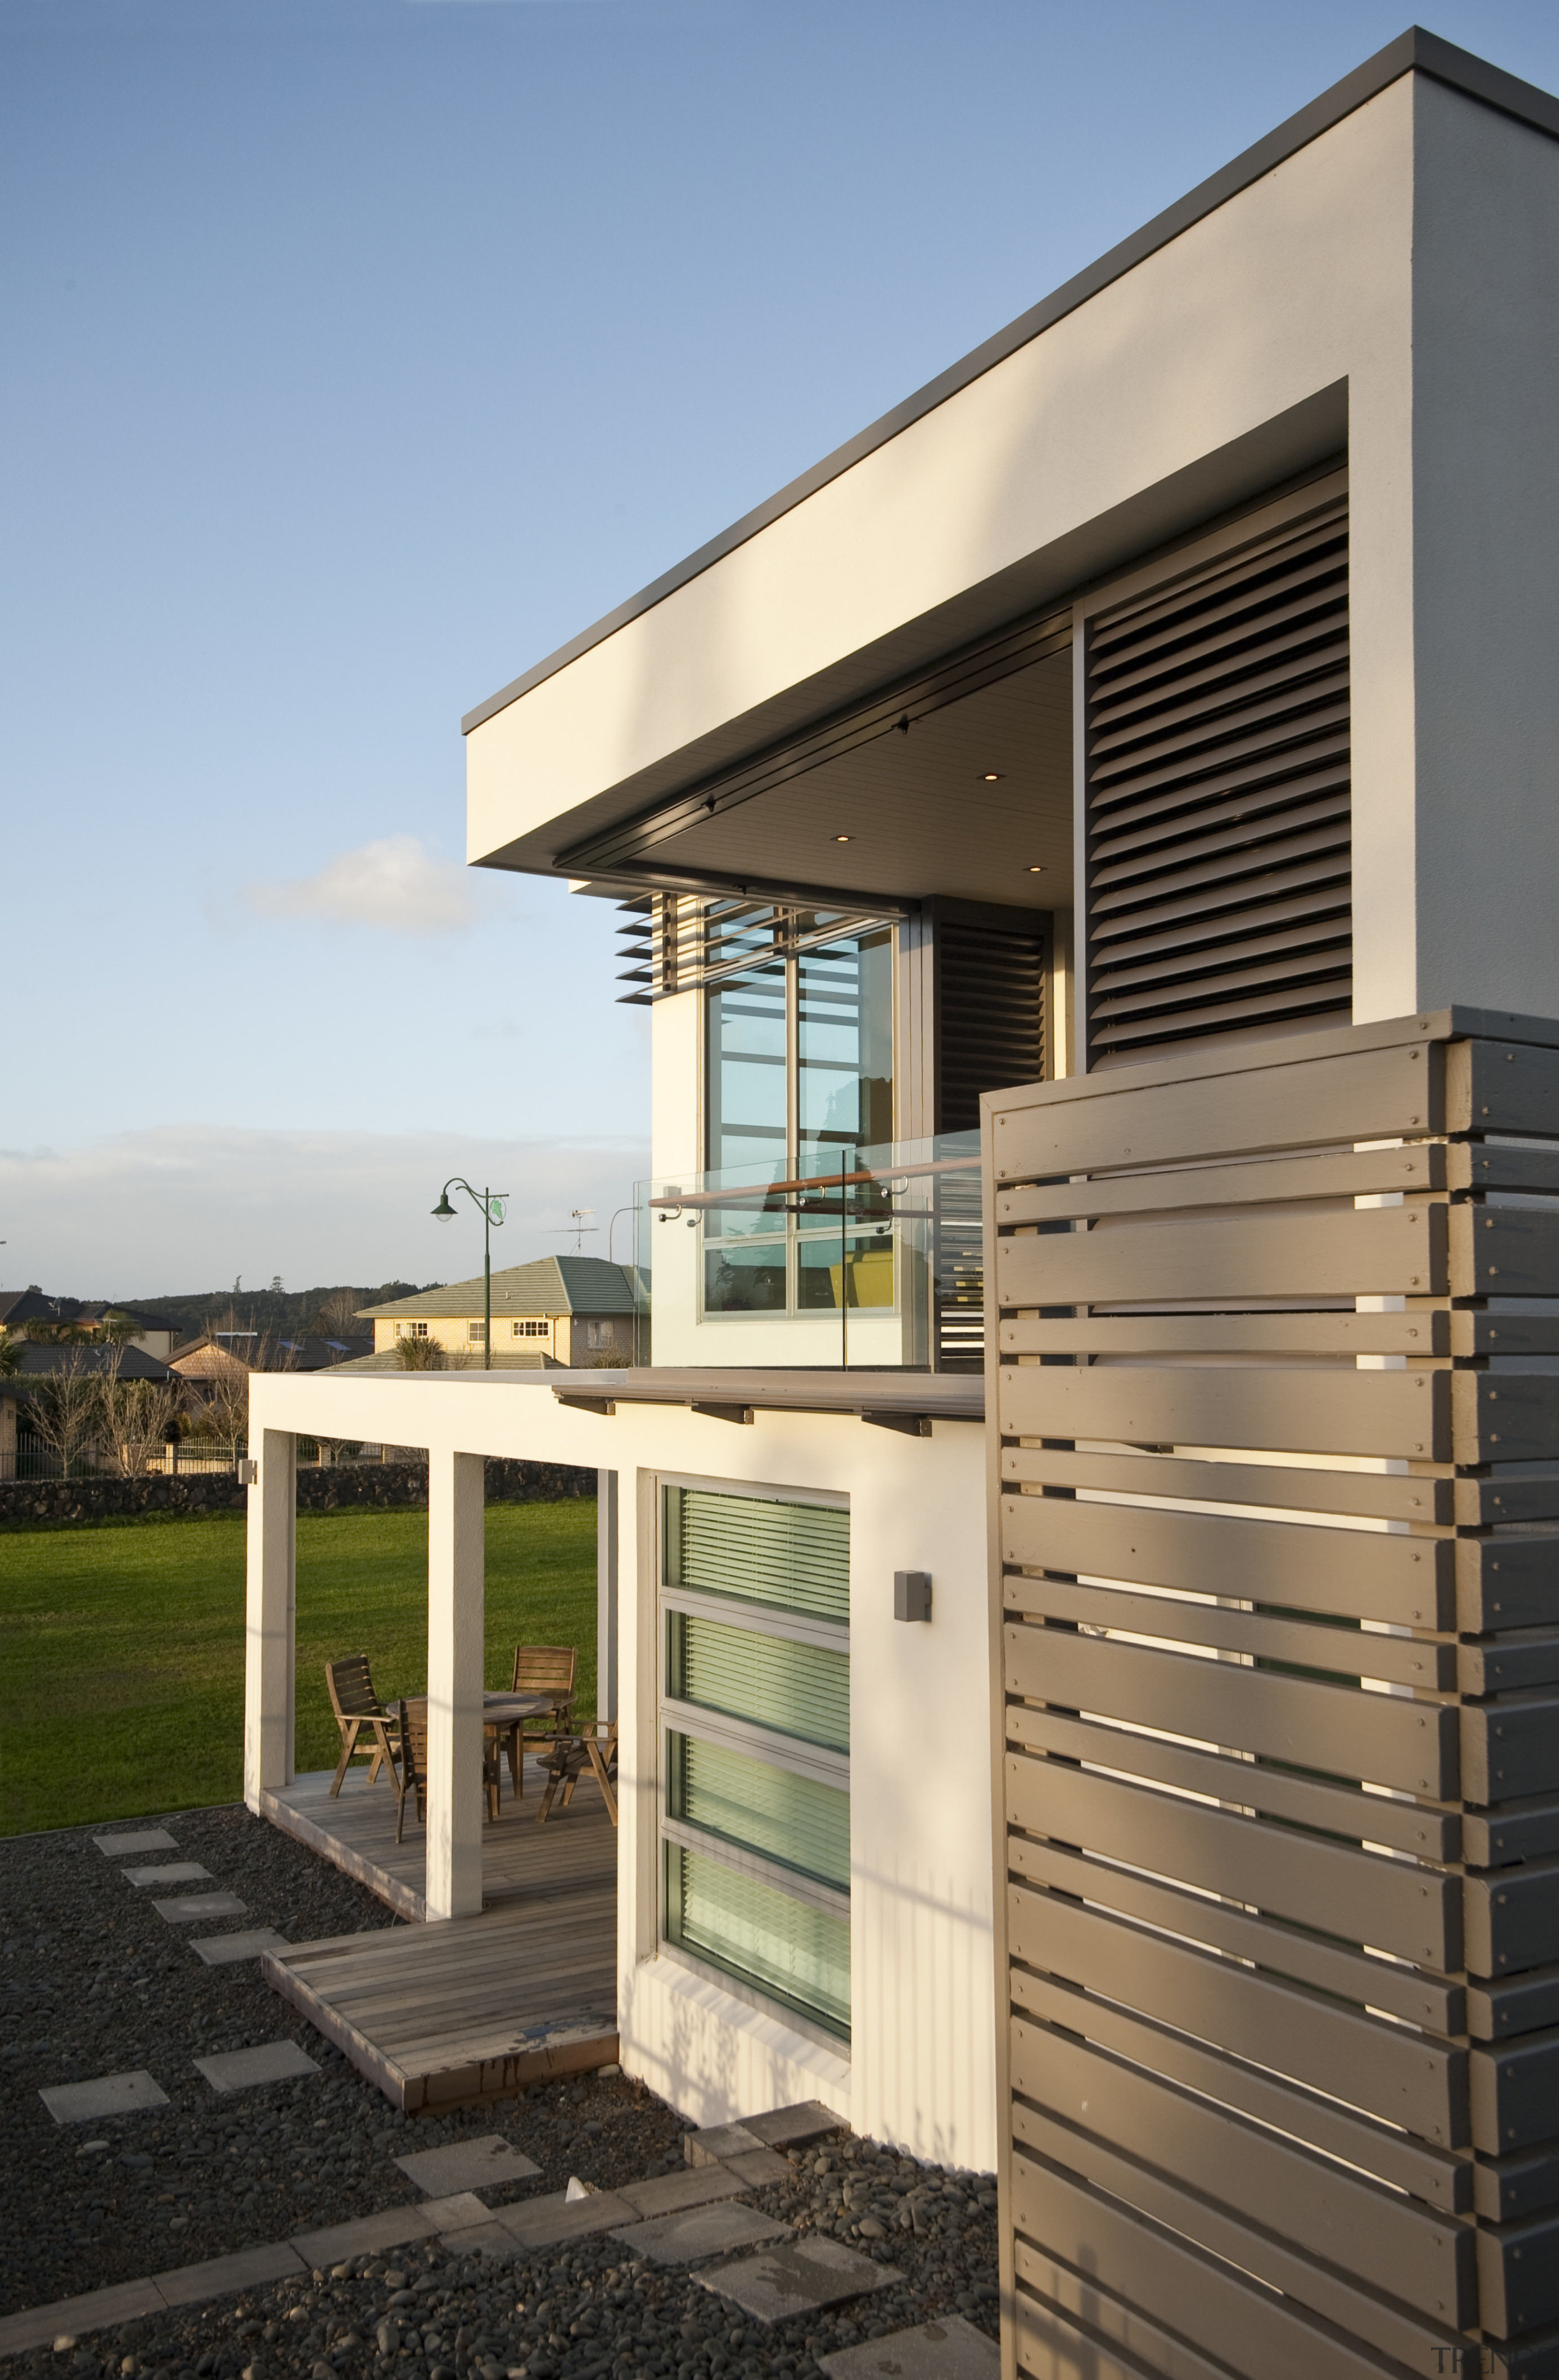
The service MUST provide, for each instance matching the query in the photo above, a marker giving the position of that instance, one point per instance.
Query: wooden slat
(1292, 1952)
(1353, 2318)
(1336, 1647)
(1372, 1494)
(1403, 1414)
(1056, 2316)
(1510, 1749)
(1356, 1573)
(1372, 1251)
(1411, 1745)
(1426, 2259)
(1419, 1332)
(1478, 1332)
(1510, 1582)
(1304, 1102)
(1330, 1176)
(1436, 2176)
(1514, 2091)
(1505, 1417)
(1502, 1086)
(1415, 1913)
(1513, 1919)
(1504, 1252)
(1310, 1802)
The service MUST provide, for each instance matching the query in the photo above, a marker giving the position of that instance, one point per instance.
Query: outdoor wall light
(911, 1594)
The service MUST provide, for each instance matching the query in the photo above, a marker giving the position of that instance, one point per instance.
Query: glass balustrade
(864, 1259)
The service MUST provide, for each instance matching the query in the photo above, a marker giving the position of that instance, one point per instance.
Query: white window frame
(819, 1762)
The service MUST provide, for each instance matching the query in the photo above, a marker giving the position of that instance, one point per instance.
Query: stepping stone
(701, 2231)
(546, 2222)
(201, 1904)
(469, 2165)
(673, 2194)
(268, 2061)
(177, 1872)
(148, 1839)
(223, 1949)
(795, 2128)
(457, 2213)
(797, 2278)
(111, 2094)
(950, 2348)
(716, 2142)
(364, 2235)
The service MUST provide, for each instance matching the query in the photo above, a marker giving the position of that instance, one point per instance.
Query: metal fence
(32, 1458)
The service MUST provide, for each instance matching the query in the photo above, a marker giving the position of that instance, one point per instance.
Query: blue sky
(357, 353)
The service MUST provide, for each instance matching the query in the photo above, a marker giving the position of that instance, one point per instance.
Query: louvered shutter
(990, 1015)
(1218, 877)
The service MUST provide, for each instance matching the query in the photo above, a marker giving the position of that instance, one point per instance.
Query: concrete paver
(669, 2193)
(225, 1949)
(201, 1904)
(951, 2348)
(249, 2268)
(364, 2235)
(172, 1872)
(144, 1838)
(714, 2230)
(109, 2095)
(41, 2325)
(468, 2165)
(456, 2213)
(797, 2276)
(757, 2168)
(794, 2128)
(717, 2141)
(546, 2222)
(243, 2070)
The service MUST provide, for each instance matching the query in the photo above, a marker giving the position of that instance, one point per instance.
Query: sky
(357, 353)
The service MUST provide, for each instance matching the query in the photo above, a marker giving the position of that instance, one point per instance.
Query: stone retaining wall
(320, 1489)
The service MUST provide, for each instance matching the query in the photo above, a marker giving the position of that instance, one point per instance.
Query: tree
(66, 1409)
(138, 1418)
(337, 1316)
(429, 1355)
(10, 1354)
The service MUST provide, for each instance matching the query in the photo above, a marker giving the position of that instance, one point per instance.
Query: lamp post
(491, 1204)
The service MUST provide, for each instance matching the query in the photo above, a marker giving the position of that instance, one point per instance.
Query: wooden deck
(439, 2015)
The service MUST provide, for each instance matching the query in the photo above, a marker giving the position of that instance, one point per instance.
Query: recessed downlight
(1036, 872)
(841, 838)
(993, 776)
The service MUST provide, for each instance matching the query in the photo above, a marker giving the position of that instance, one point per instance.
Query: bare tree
(224, 1409)
(66, 1409)
(137, 1419)
(337, 1318)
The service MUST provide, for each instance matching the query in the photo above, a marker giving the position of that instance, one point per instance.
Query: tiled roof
(549, 1285)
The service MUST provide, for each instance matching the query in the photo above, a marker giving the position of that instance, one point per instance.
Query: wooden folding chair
(541, 1669)
(567, 1762)
(357, 1707)
(411, 1723)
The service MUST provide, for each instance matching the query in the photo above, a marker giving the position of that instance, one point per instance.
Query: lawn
(122, 1645)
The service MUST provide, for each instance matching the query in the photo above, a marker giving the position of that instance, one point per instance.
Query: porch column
(456, 1589)
(606, 1595)
(270, 1649)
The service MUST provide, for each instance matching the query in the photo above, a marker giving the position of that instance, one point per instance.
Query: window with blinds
(755, 1702)
(1219, 879)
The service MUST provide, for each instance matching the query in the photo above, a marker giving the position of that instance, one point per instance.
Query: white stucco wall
(920, 2070)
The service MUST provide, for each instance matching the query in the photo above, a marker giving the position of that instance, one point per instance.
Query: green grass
(122, 1645)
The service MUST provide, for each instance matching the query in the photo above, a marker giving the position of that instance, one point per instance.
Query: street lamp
(491, 1204)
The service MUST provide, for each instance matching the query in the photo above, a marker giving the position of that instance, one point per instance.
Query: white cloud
(185, 1207)
(397, 884)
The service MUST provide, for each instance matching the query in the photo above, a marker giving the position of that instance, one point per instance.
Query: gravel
(96, 1983)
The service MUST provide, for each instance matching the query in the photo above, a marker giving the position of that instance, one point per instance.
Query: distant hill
(285, 1311)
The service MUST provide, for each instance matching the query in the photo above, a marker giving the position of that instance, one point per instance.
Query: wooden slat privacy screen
(1274, 1400)
(1216, 802)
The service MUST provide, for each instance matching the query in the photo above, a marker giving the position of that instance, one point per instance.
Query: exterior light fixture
(993, 776)
(841, 838)
(1036, 872)
(492, 1203)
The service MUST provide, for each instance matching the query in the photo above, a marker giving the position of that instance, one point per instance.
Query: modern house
(1090, 849)
(561, 1310)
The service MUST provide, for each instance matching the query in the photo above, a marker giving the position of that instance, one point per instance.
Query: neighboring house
(38, 1363)
(562, 1310)
(154, 1335)
(215, 1354)
(1167, 689)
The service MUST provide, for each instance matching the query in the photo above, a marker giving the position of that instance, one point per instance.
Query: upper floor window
(800, 1056)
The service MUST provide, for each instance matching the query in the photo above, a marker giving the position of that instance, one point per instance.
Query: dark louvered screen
(1219, 887)
(990, 1017)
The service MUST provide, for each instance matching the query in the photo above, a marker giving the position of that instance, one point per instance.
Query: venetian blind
(793, 1556)
(795, 1689)
(786, 1817)
(797, 1954)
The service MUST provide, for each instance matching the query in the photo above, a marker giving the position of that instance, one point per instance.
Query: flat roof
(1415, 51)
(897, 1399)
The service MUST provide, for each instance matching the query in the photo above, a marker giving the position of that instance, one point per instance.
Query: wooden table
(502, 1714)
